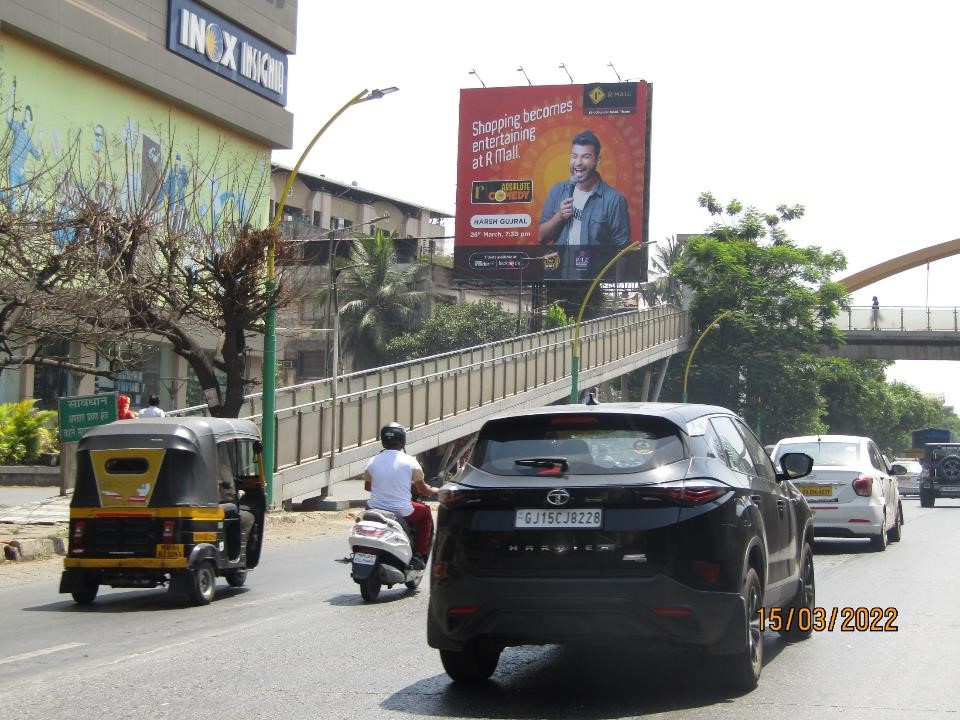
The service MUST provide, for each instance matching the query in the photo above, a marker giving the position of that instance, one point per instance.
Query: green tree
(555, 317)
(453, 327)
(377, 300)
(761, 361)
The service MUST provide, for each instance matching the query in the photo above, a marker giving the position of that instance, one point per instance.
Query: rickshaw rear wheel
(86, 594)
(204, 584)
(236, 578)
(370, 586)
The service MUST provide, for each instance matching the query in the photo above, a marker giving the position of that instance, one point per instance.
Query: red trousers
(421, 523)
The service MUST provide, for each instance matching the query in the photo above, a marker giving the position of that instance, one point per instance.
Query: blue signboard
(202, 36)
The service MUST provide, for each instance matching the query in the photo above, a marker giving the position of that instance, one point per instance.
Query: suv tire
(949, 468)
(806, 597)
(742, 670)
(474, 664)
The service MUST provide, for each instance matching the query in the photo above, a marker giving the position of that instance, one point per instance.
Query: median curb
(33, 549)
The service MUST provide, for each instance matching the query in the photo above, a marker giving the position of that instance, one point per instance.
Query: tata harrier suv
(941, 473)
(661, 523)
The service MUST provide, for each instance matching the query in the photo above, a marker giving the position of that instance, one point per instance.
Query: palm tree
(377, 300)
(666, 288)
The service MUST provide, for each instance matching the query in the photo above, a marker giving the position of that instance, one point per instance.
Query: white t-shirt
(391, 472)
(579, 200)
(151, 411)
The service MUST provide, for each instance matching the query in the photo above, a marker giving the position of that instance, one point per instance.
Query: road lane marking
(272, 598)
(38, 653)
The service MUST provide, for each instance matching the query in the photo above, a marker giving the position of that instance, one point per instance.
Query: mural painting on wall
(115, 145)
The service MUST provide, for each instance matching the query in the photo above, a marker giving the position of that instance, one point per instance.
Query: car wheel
(474, 664)
(236, 578)
(86, 594)
(742, 670)
(879, 541)
(370, 585)
(896, 532)
(927, 498)
(802, 627)
(949, 468)
(204, 584)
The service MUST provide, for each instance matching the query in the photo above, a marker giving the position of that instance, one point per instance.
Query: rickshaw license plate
(364, 559)
(165, 552)
(816, 490)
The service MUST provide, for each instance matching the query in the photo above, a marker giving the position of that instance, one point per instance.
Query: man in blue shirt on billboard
(582, 213)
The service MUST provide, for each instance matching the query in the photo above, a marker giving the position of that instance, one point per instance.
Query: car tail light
(169, 528)
(863, 486)
(709, 571)
(452, 495)
(673, 612)
(440, 569)
(461, 611)
(688, 493)
(369, 531)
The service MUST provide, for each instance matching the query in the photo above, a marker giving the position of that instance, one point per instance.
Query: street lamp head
(378, 93)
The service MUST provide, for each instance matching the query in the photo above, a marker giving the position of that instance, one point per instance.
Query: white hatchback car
(851, 489)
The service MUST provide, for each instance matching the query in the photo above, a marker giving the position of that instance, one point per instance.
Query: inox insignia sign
(202, 36)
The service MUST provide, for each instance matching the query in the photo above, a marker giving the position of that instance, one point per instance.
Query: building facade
(174, 93)
(319, 216)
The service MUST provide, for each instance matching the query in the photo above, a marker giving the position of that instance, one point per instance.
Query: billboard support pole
(575, 361)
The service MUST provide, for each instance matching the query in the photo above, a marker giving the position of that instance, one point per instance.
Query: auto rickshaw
(165, 501)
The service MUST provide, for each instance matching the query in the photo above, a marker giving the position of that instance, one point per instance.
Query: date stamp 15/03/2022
(819, 619)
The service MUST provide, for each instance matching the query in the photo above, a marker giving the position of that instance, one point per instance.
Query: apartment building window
(311, 364)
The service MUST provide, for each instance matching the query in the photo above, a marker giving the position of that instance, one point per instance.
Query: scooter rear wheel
(370, 585)
(415, 583)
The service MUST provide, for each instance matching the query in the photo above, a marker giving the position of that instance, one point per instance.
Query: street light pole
(575, 360)
(713, 323)
(268, 426)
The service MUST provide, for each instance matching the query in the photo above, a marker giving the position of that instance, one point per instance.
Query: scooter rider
(388, 477)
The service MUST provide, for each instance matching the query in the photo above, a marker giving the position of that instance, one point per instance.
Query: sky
(847, 108)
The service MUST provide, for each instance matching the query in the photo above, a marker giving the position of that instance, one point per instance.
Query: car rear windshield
(823, 453)
(590, 444)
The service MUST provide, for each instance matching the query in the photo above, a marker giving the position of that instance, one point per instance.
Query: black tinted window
(589, 444)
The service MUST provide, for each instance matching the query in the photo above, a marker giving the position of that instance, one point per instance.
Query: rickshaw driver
(389, 477)
(229, 495)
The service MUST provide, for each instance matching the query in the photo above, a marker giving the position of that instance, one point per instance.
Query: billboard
(552, 182)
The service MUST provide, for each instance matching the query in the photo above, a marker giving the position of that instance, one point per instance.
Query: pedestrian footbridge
(900, 333)
(327, 431)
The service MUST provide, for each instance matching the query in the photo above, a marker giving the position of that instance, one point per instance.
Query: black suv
(649, 521)
(941, 472)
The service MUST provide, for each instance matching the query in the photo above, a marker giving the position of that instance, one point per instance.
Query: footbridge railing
(327, 431)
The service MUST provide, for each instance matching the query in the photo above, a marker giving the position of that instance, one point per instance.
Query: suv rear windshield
(589, 444)
(823, 453)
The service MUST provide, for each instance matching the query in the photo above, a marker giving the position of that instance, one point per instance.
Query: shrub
(25, 432)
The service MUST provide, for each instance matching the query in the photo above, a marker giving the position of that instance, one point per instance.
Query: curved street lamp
(713, 323)
(268, 430)
(575, 360)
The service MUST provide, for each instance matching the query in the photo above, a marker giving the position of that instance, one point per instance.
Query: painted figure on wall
(21, 146)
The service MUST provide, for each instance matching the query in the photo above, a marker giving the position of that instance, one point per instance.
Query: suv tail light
(863, 486)
(688, 493)
(76, 532)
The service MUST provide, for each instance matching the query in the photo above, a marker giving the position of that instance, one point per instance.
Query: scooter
(381, 553)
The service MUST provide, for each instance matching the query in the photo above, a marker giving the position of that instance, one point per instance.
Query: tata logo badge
(558, 497)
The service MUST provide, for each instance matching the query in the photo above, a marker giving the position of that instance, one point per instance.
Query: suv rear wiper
(544, 463)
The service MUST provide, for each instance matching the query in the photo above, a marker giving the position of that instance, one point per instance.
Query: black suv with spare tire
(941, 472)
(654, 522)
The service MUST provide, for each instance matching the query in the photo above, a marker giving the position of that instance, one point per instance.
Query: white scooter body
(381, 554)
